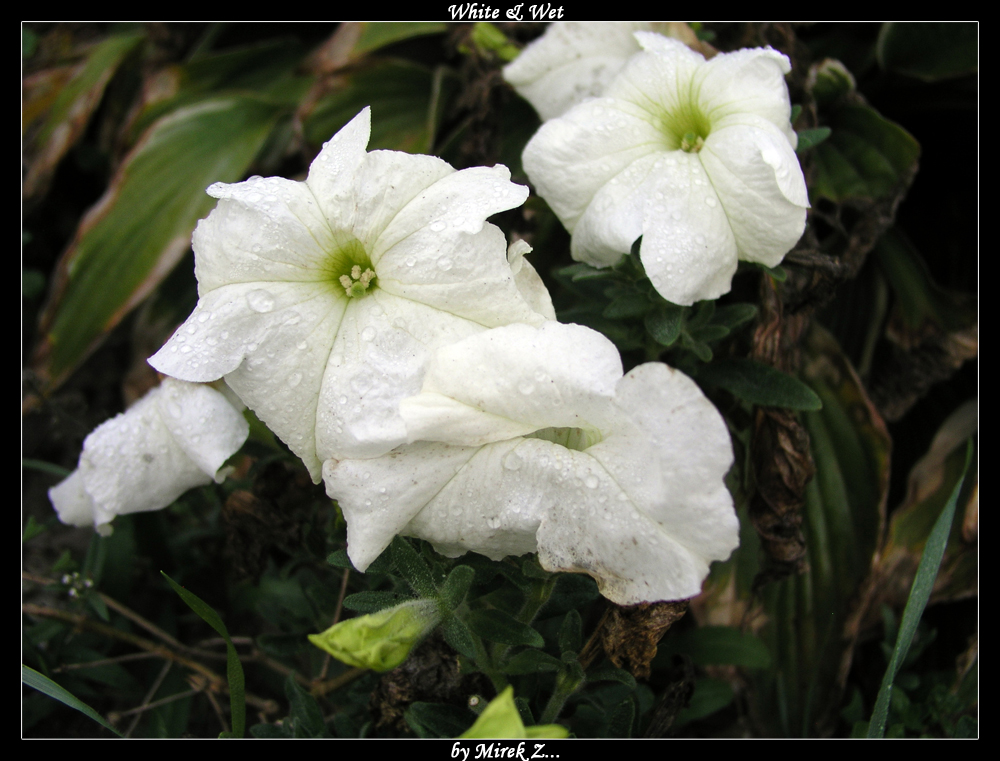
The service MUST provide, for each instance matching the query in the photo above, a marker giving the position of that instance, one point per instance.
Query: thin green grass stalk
(923, 584)
(234, 669)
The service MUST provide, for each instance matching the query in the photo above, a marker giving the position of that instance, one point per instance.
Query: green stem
(566, 684)
(536, 598)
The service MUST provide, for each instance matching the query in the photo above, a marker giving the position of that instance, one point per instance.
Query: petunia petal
(529, 283)
(324, 363)
(175, 438)
(572, 61)
(332, 175)
(688, 249)
(380, 496)
(571, 158)
(692, 446)
(747, 81)
(262, 230)
(759, 184)
(514, 380)
(377, 359)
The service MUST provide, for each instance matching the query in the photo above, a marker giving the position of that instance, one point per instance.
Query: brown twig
(144, 706)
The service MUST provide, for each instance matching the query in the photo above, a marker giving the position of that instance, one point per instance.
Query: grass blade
(45, 685)
(923, 584)
(234, 669)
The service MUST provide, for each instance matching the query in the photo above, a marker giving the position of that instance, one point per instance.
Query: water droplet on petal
(294, 379)
(260, 301)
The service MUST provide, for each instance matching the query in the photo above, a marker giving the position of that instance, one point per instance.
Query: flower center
(349, 268)
(684, 127)
(577, 439)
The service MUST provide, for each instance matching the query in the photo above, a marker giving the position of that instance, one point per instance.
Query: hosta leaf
(842, 518)
(375, 35)
(128, 243)
(62, 101)
(406, 101)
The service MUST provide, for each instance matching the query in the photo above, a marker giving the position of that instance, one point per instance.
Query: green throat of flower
(577, 439)
(349, 268)
(684, 128)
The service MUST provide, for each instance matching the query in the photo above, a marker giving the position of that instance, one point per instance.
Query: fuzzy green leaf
(760, 384)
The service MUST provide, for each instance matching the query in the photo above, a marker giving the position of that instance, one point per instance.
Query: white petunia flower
(320, 301)
(573, 61)
(175, 438)
(695, 156)
(529, 439)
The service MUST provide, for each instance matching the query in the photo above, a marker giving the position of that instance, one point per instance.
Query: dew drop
(525, 387)
(444, 263)
(368, 333)
(710, 201)
(260, 301)
(437, 226)
(294, 379)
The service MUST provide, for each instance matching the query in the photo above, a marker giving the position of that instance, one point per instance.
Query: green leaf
(45, 467)
(920, 593)
(576, 272)
(734, 315)
(717, 645)
(304, 713)
(843, 511)
(234, 669)
(372, 602)
(929, 51)
(339, 559)
(867, 157)
(531, 661)
(45, 685)
(412, 567)
(710, 695)
(32, 529)
(809, 138)
(701, 350)
(627, 305)
(777, 273)
(456, 586)
(571, 633)
(488, 38)
(710, 333)
(132, 238)
(622, 719)
(760, 384)
(375, 35)
(497, 626)
(407, 102)
(64, 110)
(438, 719)
(611, 674)
(459, 636)
(829, 81)
(664, 325)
